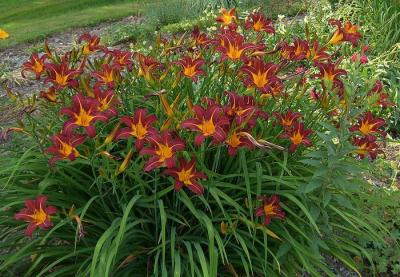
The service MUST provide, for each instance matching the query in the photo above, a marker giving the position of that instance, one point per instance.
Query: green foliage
(168, 12)
(383, 202)
(119, 33)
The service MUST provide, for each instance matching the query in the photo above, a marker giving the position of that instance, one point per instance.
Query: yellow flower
(3, 34)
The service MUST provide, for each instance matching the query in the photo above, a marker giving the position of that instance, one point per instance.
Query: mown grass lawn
(27, 20)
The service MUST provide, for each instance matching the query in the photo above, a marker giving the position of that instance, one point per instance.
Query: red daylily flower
(383, 98)
(187, 175)
(315, 96)
(301, 50)
(35, 64)
(329, 74)
(237, 139)
(378, 87)
(288, 119)
(286, 50)
(297, 135)
(64, 146)
(107, 76)
(121, 59)
(49, 95)
(83, 112)
(259, 23)
(260, 75)
(200, 39)
(107, 101)
(270, 209)
(233, 46)
(139, 127)
(227, 17)
(318, 53)
(60, 75)
(367, 146)
(244, 109)
(163, 148)
(147, 65)
(92, 43)
(210, 123)
(191, 68)
(348, 32)
(37, 214)
(369, 125)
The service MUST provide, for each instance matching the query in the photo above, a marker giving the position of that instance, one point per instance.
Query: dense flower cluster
(254, 83)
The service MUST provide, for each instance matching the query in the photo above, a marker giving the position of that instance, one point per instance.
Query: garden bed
(245, 147)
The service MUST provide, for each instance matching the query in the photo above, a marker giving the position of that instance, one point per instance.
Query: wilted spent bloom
(368, 125)
(3, 34)
(163, 149)
(61, 75)
(288, 119)
(49, 95)
(35, 64)
(139, 126)
(209, 123)
(106, 76)
(269, 209)
(191, 68)
(259, 23)
(232, 46)
(243, 109)
(297, 135)
(260, 75)
(367, 146)
(36, 214)
(227, 17)
(84, 112)
(64, 146)
(348, 32)
(92, 43)
(186, 175)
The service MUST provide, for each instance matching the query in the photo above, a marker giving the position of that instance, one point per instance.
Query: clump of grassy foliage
(266, 195)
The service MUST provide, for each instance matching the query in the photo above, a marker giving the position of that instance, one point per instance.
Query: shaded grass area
(27, 20)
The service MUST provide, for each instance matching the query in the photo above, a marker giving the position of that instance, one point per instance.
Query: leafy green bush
(381, 23)
(382, 202)
(234, 152)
